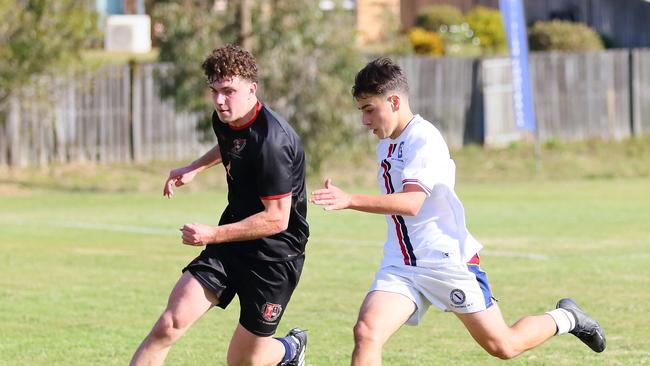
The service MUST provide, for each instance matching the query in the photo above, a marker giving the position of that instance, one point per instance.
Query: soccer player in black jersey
(257, 249)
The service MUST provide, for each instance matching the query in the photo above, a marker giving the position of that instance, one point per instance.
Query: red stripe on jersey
(416, 182)
(400, 237)
(258, 108)
(276, 197)
(387, 185)
(475, 260)
(386, 178)
(391, 149)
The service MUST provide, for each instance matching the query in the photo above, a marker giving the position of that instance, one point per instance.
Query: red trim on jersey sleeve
(276, 197)
(418, 183)
(258, 108)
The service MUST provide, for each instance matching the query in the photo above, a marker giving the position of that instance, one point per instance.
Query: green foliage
(306, 57)
(185, 37)
(433, 17)
(308, 61)
(459, 40)
(425, 42)
(487, 26)
(558, 35)
(39, 37)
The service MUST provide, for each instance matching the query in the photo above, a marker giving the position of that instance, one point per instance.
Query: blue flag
(515, 24)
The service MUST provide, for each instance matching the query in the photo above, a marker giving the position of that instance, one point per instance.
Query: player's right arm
(181, 176)
(407, 203)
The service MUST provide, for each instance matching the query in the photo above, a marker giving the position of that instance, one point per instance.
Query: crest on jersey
(457, 296)
(238, 145)
(271, 312)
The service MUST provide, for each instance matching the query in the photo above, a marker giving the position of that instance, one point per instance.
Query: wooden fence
(443, 91)
(576, 96)
(112, 114)
(115, 114)
(640, 84)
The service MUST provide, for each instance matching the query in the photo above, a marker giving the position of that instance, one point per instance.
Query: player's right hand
(178, 177)
(331, 197)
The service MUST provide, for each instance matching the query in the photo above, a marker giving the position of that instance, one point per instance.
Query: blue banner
(515, 25)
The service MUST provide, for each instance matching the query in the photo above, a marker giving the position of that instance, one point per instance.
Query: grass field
(85, 274)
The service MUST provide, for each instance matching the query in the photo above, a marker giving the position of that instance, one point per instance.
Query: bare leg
(187, 302)
(493, 334)
(247, 349)
(381, 315)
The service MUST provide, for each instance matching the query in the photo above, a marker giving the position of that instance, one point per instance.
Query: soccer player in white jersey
(429, 256)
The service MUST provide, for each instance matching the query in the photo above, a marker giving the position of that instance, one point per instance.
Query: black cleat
(300, 337)
(587, 329)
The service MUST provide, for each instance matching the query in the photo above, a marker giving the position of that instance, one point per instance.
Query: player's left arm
(407, 203)
(274, 219)
(273, 166)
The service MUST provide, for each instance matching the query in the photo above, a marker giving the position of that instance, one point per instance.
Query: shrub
(487, 26)
(425, 42)
(432, 17)
(563, 36)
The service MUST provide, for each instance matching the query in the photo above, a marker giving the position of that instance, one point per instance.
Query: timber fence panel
(500, 127)
(581, 96)
(161, 132)
(641, 91)
(441, 92)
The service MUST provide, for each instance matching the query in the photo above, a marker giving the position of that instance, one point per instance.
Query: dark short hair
(229, 61)
(379, 77)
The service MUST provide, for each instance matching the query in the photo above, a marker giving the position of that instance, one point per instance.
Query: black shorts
(264, 288)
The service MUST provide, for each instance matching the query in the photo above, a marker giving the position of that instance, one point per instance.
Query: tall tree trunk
(245, 24)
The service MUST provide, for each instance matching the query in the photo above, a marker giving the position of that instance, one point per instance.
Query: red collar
(258, 108)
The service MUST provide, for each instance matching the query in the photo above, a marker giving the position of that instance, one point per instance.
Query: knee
(365, 334)
(502, 350)
(168, 328)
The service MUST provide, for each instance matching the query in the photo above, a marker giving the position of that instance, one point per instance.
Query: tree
(306, 56)
(40, 37)
(185, 34)
(308, 61)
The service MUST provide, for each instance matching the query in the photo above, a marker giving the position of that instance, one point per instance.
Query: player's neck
(404, 119)
(247, 118)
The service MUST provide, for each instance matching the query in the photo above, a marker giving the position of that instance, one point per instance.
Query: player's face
(378, 114)
(232, 98)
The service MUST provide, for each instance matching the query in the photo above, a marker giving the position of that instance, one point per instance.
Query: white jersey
(437, 234)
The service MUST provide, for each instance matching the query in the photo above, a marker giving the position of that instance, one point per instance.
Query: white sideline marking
(527, 255)
(339, 241)
(119, 228)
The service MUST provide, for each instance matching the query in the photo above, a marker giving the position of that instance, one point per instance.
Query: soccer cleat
(586, 329)
(300, 337)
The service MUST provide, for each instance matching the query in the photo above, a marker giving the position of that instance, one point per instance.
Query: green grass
(89, 253)
(85, 272)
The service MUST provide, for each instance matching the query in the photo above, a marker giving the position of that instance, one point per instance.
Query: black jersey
(264, 159)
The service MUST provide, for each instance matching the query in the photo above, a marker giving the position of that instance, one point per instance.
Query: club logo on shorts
(238, 145)
(271, 312)
(457, 296)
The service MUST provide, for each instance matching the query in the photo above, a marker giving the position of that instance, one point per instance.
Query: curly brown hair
(229, 61)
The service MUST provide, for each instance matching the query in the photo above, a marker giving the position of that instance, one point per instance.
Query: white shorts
(456, 287)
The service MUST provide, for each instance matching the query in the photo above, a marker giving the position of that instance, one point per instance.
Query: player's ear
(394, 102)
(253, 88)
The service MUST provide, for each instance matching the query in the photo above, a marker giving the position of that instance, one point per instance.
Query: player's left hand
(197, 234)
(331, 197)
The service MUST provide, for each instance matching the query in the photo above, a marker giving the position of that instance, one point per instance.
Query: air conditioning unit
(128, 33)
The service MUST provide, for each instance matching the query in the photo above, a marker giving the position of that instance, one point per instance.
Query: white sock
(564, 320)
